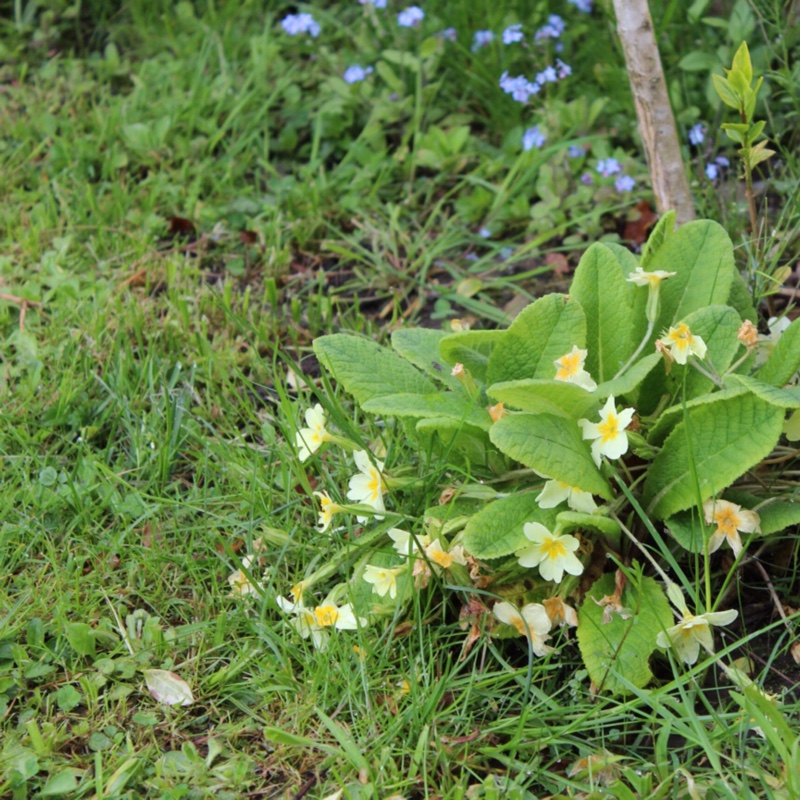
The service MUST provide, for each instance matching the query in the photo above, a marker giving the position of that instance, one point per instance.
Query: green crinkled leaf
(553, 446)
(496, 531)
(701, 255)
(663, 229)
(626, 259)
(784, 360)
(625, 384)
(445, 434)
(674, 414)
(717, 326)
(689, 531)
(367, 370)
(542, 333)
(605, 296)
(420, 346)
(617, 652)
(571, 520)
(725, 439)
(470, 348)
(783, 398)
(539, 396)
(450, 405)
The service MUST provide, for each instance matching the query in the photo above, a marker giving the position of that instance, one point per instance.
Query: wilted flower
(682, 343)
(410, 17)
(569, 368)
(295, 24)
(311, 438)
(729, 519)
(512, 34)
(367, 487)
(481, 39)
(560, 613)
(356, 73)
(556, 492)
(531, 621)
(497, 412)
(748, 335)
(553, 554)
(608, 166)
(610, 439)
(533, 137)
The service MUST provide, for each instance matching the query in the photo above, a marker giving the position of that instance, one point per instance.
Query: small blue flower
(697, 133)
(294, 24)
(481, 39)
(356, 73)
(564, 70)
(519, 87)
(587, 179)
(506, 253)
(712, 172)
(575, 151)
(485, 233)
(582, 5)
(448, 34)
(722, 161)
(376, 3)
(410, 17)
(512, 34)
(608, 166)
(624, 183)
(533, 138)
(547, 75)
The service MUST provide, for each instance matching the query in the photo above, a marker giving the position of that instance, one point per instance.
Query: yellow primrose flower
(327, 509)
(569, 368)
(682, 343)
(654, 278)
(610, 439)
(367, 487)
(445, 558)
(554, 555)
(729, 519)
(310, 439)
(555, 492)
(693, 631)
(316, 622)
(383, 579)
(531, 621)
(408, 545)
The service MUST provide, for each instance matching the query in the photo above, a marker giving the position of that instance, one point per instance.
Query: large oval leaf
(720, 441)
(605, 296)
(452, 405)
(784, 360)
(551, 397)
(543, 332)
(368, 370)
(470, 348)
(617, 650)
(420, 346)
(553, 446)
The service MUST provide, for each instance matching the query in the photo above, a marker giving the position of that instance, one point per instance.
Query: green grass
(152, 373)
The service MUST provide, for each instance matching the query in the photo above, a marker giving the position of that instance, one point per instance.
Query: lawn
(260, 536)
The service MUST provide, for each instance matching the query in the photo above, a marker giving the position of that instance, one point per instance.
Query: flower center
(374, 484)
(553, 548)
(609, 427)
(681, 337)
(326, 616)
(570, 364)
(727, 522)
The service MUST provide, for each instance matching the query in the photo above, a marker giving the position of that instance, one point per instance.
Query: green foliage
(616, 645)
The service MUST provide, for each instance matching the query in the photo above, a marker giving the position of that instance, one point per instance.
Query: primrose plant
(607, 436)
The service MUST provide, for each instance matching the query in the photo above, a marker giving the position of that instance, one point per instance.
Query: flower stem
(650, 325)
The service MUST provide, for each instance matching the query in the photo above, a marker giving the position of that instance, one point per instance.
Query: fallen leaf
(636, 229)
(795, 651)
(168, 688)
